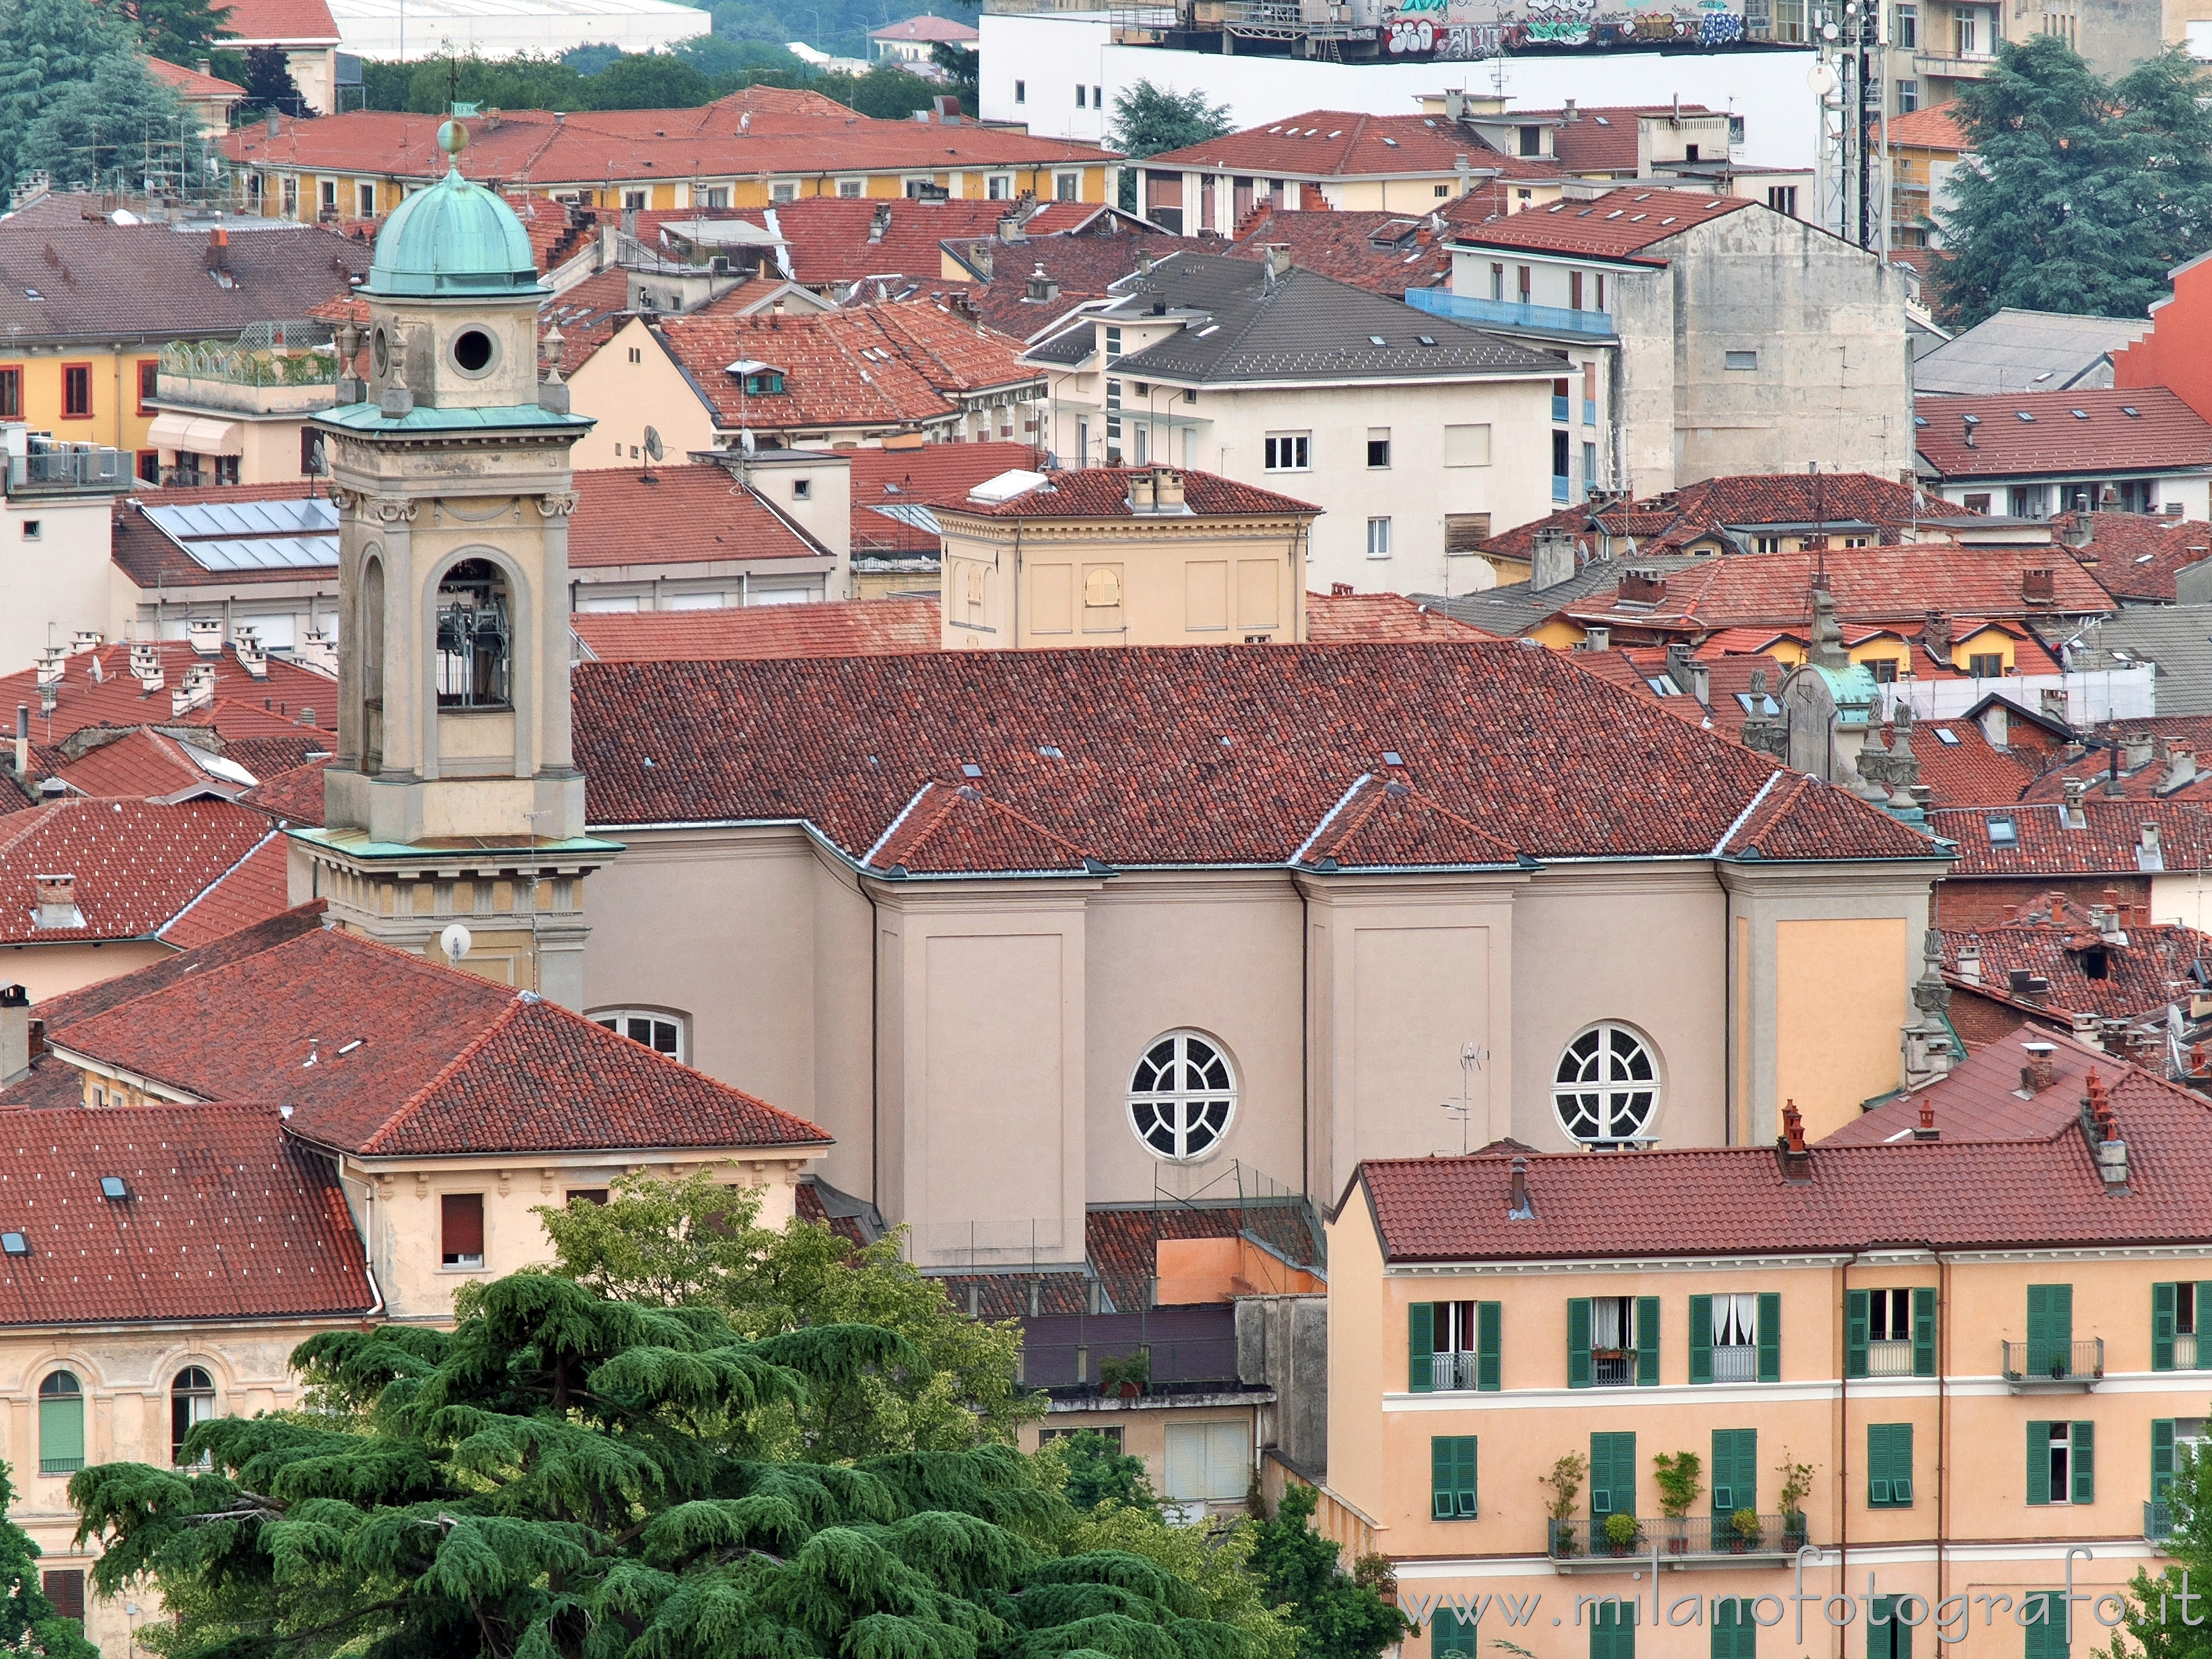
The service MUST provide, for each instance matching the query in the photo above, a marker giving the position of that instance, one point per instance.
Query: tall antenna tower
(1853, 184)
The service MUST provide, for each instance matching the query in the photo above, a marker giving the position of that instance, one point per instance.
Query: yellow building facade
(1914, 1389)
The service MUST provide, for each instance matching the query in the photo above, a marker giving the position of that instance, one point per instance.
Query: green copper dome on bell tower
(456, 238)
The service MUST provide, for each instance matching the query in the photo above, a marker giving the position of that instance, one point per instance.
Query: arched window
(192, 1399)
(372, 667)
(1606, 1090)
(61, 1423)
(662, 1032)
(476, 638)
(1181, 1095)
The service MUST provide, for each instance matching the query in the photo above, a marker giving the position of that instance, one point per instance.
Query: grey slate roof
(100, 281)
(2176, 639)
(1514, 608)
(2006, 352)
(1302, 326)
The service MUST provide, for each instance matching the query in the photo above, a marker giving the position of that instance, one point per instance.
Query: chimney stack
(2101, 1126)
(2038, 1073)
(1167, 489)
(15, 1034)
(1517, 1208)
(1926, 1129)
(2077, 791)
(1789, 1146)
(22, 743)
(1140, 491)
(1969, 964)
(2180, 770)
(56, 900)
(218, 249)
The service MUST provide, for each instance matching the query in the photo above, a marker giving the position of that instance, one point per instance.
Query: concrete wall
(1051, 53)
(1282, 1343)
(53, 578)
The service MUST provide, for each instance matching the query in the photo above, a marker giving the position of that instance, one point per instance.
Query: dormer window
(768, 383)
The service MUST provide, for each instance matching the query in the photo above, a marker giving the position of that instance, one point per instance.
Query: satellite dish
(653, 451)
(1821, 79)
(454, 941)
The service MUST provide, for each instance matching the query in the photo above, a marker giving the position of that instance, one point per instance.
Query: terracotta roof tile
(138, 865)
(190, 82)
(115, 698)
(957, 830)
(2070, 433)
(1123, 1244)
(1935, 127)
(841, 629)
(1176, 756)
(2134, 555)
(145, 763)
(1369, 618)
(2043, 844)
(295, 796)
(287, 23)
(1624, 224)
(1383, 252)
(681, 515)
(927, 28)
(902, 477)
(1970, 772)
(2052, 938)
(1979, 1099)
(1324, 143)
(251, 890)
(1103, 492)
(2152, 779)
(227, 1218)
(1385, 823)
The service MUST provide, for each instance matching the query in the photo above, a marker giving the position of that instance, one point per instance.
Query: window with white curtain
(1735, 1338)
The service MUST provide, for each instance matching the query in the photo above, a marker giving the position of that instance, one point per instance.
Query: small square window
(114, 1187)
(587, 1195)
(2004, 832)
(1986, 665)
(1068, 186)
(847, 189)
(1378, 448)
(636, 355)
(1444, 189)
(33, 529)
(632, 198)
(1289, 452)
(802, 490)
(783, 190)
(15, 1245)
(1741, 360)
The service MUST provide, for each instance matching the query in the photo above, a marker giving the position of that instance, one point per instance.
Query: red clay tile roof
(82, 1003)
(1385, 823)
(144, 763)
(251, 890)
(928, 28)
(843, 628)
(1084, 266)
(1727, 683)
(956, 830)
(1979, 1099)
(2045, 845)
(1372, 618)
(2164, 434)
(295, 796)
(190, 82)
(1173, 756)
(2142, 783)
(587, 315)
(445, 1061)
(1123, 1244)
(899, 477)
(901, 365)
(287, 23)
(227, 1218)
(1970, 772)
(1933, 128)
(1383, 252)
(1622, 224)
(686, 514)
(1723, 1201)
(2134, 555)
(2051, 936)
(802, 133)
(1605, 140)
(1324, 143)
(1103, 492)
(115, 699)
(138, 865)
(1669, 523)
(1881, 583)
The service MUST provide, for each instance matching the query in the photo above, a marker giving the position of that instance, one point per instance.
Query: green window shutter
(2050, 1326)
(1612, 1630)
(1451, 1637)
(1488, 1323)
(2161, 1457)
(1440, 1476)
(1613, 1474)
(2038, 1463)
(1647, 1342)
(61, 1435)
(1734, 1632)
(1770, 1336)
(1855, 1333)
(1735, 1471)
(1701, 1338)
(1901, 1469)
(1420, 1343)
(1464, 1485)
(1887, 1637)
(2162, 1301)
(2047, 1637)
(1452, 1477)
(1923, 1342)
(1889, 1465)
(2081, 1462)
(1578, 1342)
(1878, 1492)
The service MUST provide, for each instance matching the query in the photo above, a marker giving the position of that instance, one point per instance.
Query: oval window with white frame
(1606, 1090)
(1181, 1095)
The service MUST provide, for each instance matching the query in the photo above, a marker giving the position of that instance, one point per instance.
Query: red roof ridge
(920, 824)
(236, 867)
(469, 1051)
(1369, 795)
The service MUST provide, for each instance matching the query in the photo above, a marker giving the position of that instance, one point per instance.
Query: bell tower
(454, 797)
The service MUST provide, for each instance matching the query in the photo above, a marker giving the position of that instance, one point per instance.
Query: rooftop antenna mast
(1472, 1058)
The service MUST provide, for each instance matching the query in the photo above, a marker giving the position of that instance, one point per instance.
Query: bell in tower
(454, 797)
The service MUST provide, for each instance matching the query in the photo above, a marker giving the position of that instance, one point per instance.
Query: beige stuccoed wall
(625, 397)
(47, 970)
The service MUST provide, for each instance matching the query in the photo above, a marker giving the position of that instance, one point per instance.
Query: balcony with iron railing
(1678, 1540)
(273, 368)
(1453, 1372)
(1889, 1358)
(2158, 1520)
(2184, 1350)
(1513, 316)
(2049, 1365)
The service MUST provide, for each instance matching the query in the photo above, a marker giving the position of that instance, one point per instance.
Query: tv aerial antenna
(1472, 1057)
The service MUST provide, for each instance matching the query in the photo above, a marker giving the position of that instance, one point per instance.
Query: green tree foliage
(566, 1476)
(696, 73)
(1149, 120)
(28, 1623)
(1337, 1618)
(959, 66)
(44, 46)
(886, 92)
(1213, 1560)
(2084, 192)
(102, 130)
(1099, 1472)
(179, 30)
(650, 81)
(696, 1243)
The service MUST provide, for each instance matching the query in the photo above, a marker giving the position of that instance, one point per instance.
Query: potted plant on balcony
(1744, 1524)
(1126, 1375)
(1796, 1487)
(1564, 1483)
(1680, 1485)
(1621, 1533)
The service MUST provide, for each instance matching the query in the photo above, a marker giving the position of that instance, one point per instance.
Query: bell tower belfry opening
(454, 796)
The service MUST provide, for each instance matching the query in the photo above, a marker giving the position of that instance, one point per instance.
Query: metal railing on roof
(1511, 314)
(267, 353)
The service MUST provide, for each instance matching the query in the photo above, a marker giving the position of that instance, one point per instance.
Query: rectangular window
(1574, 290)
(291, 198)
(1082, 93)
(1378, 539)
(1889, 1466)
(330, 194)
(1783, 198)
(1451, 1477)
(1097, 97)
(783, 190)
(999, 187)
(1889, 1636)
(2173, 1325)
(1559, 480)
(1986, 665)
(61, 1424)
(1613, 1627)
(1523, 290)
(1113, 344)
(634, 199)
(2062, 1462)
(1068, 186)
(1600, 290)
(714, 196)
(1289, 452)
(1021, 92)
(1378, 448)
(587, 1195)
(461, 1236)
(149, 465)
(1497, 281)
(1613, 1341)
(1452, 1346)
(365, 196)
(1589, 466)
(1965, 34)
(849, 188)
(1740, 360)
(1208, 1462)
(11, 392)
(1908, 97)
(76, 391)
(1734, 1472)
(1736, 1632)
(150, 383)
(64, 1587)
(1451, 1637)
(1885, 670)
(1905, 30)
(2043, 1620)
(1736, 1338)
(1467, 445)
